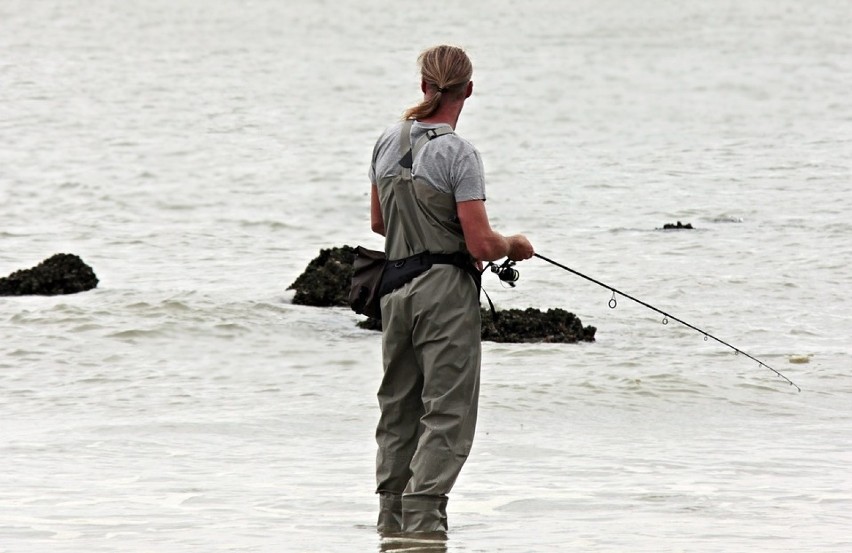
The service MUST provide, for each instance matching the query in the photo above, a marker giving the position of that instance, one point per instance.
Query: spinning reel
(506, 272)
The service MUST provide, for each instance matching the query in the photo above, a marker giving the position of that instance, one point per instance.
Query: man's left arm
(377, 222)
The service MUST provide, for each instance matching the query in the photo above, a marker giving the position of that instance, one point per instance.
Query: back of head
(446, 70)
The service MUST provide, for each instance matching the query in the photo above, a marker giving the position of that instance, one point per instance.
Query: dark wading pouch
(400, 272)
(374, 276)
(369, 266)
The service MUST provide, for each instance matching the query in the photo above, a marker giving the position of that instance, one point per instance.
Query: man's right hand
(519, 247)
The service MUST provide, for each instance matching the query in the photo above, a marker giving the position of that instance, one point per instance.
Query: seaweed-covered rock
(325, 282)
(534, 325)
(62, 273)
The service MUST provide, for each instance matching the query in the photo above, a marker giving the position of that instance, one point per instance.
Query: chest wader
(431, 351)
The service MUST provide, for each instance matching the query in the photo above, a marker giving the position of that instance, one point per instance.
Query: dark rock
(326, 280)
(533, 325)
(62, 273)
(679, 225)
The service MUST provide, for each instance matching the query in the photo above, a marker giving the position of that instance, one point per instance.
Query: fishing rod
(508, 274)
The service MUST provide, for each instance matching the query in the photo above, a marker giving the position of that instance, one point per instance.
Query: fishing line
(613, 302)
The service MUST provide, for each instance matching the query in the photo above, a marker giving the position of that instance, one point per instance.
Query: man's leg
(447, 339)
(401, 408)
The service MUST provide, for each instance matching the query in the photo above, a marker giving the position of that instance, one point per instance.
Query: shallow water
(198, 156)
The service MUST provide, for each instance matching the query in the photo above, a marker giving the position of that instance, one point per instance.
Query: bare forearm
(483, 242)
(497, 246)
(490, 247)
(377, 222)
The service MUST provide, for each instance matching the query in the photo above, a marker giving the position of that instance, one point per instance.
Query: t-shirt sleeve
(469, 178)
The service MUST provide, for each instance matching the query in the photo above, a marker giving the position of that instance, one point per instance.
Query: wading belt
(402, 271)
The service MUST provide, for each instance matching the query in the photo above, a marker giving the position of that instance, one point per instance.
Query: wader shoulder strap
(407, 153)
(430, 134)
(405, 137)
(405, 157)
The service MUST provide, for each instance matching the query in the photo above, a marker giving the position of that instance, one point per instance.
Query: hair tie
(442, 89)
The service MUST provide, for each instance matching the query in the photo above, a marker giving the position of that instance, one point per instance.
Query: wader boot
(424, 514)
(390, 513)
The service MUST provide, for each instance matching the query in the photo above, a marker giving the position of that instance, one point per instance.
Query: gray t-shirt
(449, 163)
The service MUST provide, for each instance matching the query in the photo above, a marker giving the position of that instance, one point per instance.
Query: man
(428, 200)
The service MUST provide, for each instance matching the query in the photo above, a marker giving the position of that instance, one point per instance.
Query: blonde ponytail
(447, 69)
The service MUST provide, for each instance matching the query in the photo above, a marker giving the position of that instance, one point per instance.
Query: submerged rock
(325, 283)
(63, 273)
(678, 226)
